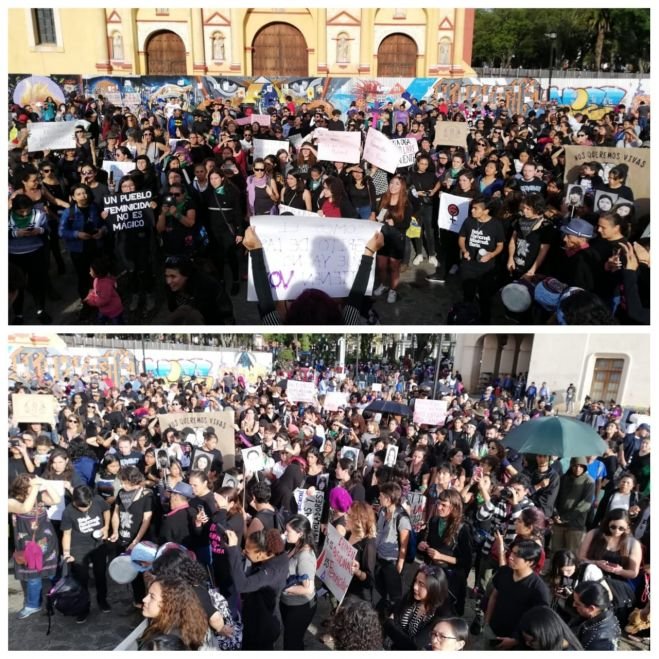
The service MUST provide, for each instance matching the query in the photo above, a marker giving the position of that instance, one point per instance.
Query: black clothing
(205, 294)
(531, 235)
(178, 527)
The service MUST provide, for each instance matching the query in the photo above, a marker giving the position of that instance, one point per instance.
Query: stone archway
(165, 54)
(397, 57)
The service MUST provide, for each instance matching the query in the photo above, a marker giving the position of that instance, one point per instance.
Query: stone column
(366, 39)
(321, 41)
(198, 46)
(101, 50)
(238, 54)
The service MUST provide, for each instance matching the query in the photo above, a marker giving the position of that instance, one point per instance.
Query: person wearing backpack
(36, 552)
(85, 527)
(391, 544)
(266, 516)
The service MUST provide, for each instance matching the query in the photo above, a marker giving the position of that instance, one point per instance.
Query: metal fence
(556, 74)
(136, 343)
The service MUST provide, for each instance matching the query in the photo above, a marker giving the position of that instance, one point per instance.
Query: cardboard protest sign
(453, 211)
(637, 160)
(34, 408)
(339, 146)
(261, 119)
(334, 565)
(311, 252)
(380, 151)
(131, 211)
(407, 147)
(252, 459)
(283, 208)
(390, 456)
(301, 392)
(311, 507)
(263, 148)
(430, 412)
(116, 170)
(335, 399)
(55, 135)
(197, 422)
(417, 502)
(451, 133)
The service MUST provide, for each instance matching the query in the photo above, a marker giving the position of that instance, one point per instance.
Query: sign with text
(300, 392)
(129, 212)
(380, 151)
(197, 422)
(311, 507)
(334, 565)
(263, 148)
(407, 146)
(417, 502)
(338, 146)
(284, 209)
(453, 211)
(55, 135)
(296, 140)
(334, 400)
(116, 170)
(430, 412)
(260, 119)
(303, 252)
(34, 408)
(451, 133)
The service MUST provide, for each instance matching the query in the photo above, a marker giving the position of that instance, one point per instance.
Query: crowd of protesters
(547, 256)
(554, 556)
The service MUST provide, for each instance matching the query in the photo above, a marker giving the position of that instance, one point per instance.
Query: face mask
(21, 221)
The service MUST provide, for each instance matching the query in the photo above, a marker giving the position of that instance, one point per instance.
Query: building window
(44, 27)
(607, 376)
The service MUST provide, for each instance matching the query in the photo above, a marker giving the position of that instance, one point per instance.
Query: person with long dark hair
(599, 628)
(449, 635)
(424, 186)
(543, 629)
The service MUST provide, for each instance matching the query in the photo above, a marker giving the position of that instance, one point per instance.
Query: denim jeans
(32, 592)
(364, 212)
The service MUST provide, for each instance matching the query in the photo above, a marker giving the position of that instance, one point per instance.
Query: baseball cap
(578, 227)
(183, 489)
(644, 426)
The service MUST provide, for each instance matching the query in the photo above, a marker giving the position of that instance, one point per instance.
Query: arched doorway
(279, 49)
(165, 54)
(397, 57)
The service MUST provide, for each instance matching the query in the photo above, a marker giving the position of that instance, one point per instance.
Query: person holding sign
(396, 212)
(424, 186)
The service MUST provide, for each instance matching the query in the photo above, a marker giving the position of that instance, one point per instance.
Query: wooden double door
(397, 57)
(165, 54)
(279, 49)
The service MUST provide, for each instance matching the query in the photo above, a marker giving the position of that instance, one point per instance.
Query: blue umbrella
(388, 407)
(555, 435)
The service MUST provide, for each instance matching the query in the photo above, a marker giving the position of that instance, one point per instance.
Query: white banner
(453, 211)
(429, 412)
(407, 147)
(263, 148)
(335, 563)
(311, 252)
(300, 392)
(34, 408)
(311, 508)
(283, 208)
(52, 135)
(338, 146)
(451, 133)
(116, 169)
(380, 151)
(335, 399)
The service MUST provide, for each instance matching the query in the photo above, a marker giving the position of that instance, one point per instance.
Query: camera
(169, 200)
(507, 493)
(14, 442)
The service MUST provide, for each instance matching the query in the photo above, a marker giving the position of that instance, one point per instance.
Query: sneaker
(150, 303)
(134, 302)
(26, 612)
(392, 296)
(104, 606)
(454, 269)
(436, 279)
(433, 261)
(418, 259)
(43, 317)
(82, 618)
(379, 290)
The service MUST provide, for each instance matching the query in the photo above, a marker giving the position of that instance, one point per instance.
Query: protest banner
(131, 211)
(429, 412)
(376, 386)
(339, 146)
(407, 146)
(380, 151)
(637, 161)
(334, 565)
(304, 252)
(252, 459)
(451, 133)
(55, 135)
(453, 211)
(391, 455)
(116, 169)
(417, 502)
(263, 148)
(312, 508)
(296, 140)
(261, 119)
(283, 209)
(34, 408)
(300, 392)
(334, 400)
(196, 422)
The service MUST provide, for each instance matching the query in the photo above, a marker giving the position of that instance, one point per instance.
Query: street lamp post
(552, 37)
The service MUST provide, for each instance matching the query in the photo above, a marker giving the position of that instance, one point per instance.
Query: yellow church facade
(297, 42)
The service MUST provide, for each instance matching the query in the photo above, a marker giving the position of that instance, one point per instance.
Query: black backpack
(67, 596)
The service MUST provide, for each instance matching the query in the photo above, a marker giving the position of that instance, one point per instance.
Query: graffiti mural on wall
(592, 96)
(123, 365)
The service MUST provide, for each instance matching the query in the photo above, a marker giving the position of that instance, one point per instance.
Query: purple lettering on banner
(281, 281)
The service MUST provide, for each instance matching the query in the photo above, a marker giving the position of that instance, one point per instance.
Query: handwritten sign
(376, 386)
(380, 151)
(131, 211)
(334, 400)
(407, 147)
(451, 133)
(261, 119)
(34, 408)
(311, 252)
(430, 412)
(338, 146)
(55, 135)
(311, 507)
(300, 392)
(283, 208)
(417, 503)
(334, 566)
(263, 148)
(197, 422)
(116, 170)
(453, 211)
